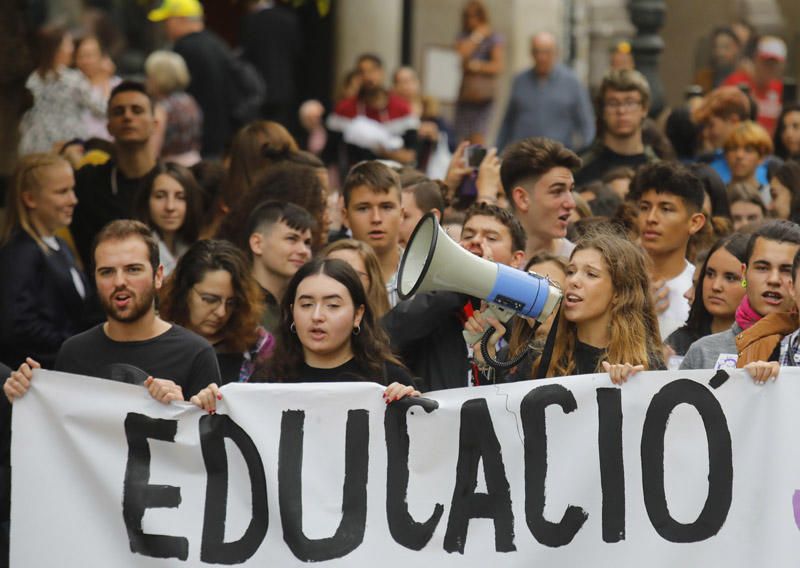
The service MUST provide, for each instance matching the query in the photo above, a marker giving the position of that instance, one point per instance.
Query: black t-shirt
(230, 365)
(587, 358)
(177, 354)
(353, 371)
(599, 162)
(104, 195)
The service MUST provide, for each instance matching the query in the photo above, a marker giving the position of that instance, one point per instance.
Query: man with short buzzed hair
(279, 239)
(548, 100)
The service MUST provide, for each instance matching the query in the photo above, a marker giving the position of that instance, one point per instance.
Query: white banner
(671, 469)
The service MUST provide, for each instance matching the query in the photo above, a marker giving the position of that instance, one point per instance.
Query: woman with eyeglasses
(212, 292)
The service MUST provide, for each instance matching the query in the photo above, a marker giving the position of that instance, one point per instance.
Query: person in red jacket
(765, 82)
(375, 123)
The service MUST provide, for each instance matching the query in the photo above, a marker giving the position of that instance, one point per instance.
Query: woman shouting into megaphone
(607, 320)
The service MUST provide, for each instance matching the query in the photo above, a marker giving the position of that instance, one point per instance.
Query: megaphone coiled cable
(514, 361)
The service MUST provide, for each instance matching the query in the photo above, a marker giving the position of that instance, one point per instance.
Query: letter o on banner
(720, 462)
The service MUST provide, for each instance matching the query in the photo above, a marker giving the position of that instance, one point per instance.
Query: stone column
(607, 23)
(368, 26)
(648, 17)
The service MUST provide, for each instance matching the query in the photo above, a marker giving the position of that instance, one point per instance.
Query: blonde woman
(44, 295)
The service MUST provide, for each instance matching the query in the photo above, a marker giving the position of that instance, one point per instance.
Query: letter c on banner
(535, 429)
(404, 529)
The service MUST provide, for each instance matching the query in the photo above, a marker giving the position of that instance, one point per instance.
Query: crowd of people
(160, 235)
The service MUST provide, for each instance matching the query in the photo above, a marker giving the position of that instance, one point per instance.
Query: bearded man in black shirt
(134, 345)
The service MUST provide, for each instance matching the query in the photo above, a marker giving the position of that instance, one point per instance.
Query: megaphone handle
(503, 364)
(544, 361)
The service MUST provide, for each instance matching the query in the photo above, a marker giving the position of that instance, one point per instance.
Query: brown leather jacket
(759, 341)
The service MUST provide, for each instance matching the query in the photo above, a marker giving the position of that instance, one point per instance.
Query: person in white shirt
(670, 203)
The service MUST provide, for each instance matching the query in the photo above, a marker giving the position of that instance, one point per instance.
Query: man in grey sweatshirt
(548, 100)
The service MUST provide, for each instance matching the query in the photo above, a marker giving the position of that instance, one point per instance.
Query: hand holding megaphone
(477, 325)
(433, 261)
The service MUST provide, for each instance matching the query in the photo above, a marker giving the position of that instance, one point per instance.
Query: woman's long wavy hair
(376, 293)
(240, 333)
(26, 178)
(633, 329)
(370, 346)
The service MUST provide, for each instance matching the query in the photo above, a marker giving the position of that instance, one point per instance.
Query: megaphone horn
(433, 261)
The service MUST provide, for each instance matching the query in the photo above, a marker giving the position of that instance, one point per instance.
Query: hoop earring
(292, 328)
(744, 282)
(357, 330)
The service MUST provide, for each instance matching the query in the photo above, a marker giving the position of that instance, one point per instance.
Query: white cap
(771, 47)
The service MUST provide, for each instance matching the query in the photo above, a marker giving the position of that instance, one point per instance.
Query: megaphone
(433, 261)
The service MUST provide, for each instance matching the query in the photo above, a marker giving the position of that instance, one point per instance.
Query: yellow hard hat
(176, 9)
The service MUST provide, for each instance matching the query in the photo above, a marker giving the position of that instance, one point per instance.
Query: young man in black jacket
(426, 330)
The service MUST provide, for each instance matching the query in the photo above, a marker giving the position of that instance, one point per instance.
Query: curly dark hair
(240, 333)
(518, 237)
(668, 177)
(370, 346)
(284, 182)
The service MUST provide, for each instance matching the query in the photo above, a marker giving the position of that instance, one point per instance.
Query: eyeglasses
(213, 301)
(626, 105)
